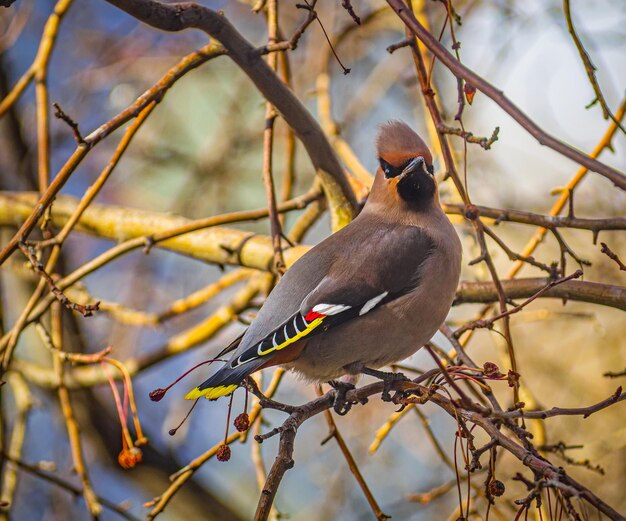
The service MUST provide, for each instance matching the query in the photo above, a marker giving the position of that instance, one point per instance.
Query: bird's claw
(388, 380)
(341, 404)
(388, 385)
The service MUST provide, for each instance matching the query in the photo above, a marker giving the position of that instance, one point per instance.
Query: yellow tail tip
(211, 393)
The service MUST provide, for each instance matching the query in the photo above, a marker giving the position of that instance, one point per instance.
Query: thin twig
(560, 448)
(40, 63)
(86, 311)
(383, 431)
(400, 45)
(585, 412)
(488, 323)
(59, 114)
(292, 43)
(169, 17)
(334, 433)
(612, 255)
(268, 148)
(484, 142)
(460, 71)
(73, 430)
(435, 114)
(485, 256)
(15, 443)
(311, 6)
(590, 68)
(35, 470)
(612, 374)
(347, 5)
(516, 256)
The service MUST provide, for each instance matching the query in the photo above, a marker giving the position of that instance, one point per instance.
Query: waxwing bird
(369, 295)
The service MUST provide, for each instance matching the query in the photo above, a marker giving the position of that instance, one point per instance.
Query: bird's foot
(341, 405)
(388, 380)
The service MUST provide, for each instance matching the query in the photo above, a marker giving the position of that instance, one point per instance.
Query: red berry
(157, 395)
(242, 422)
(223, 453)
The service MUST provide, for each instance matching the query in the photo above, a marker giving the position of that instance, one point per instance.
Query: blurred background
(200, 153)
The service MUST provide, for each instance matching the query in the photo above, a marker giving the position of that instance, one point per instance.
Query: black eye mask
(394, 171)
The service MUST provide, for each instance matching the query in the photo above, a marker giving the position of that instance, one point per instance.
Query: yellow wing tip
(211, 393)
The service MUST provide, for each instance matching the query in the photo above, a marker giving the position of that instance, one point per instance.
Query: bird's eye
(387, 168)
(393, 171)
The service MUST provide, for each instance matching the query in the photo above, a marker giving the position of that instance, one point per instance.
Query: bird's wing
(385, 264)
(364, 265)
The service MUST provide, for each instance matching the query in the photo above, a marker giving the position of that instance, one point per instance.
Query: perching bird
(369, 295)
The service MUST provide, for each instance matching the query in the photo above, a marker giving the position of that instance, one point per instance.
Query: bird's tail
(224, 381)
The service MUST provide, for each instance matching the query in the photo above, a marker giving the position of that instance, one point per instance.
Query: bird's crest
(396, 142)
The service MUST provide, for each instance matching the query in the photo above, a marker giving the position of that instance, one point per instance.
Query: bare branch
(590, 68)
(585, 412)
(545, 221)
(86, 311)
(471, 413)
(177, 17)
(498, 96)
(484, 142)
(488, 323)
(347, 5)
(592, 292)
(35, 470)
(58, 113)
(612, 255)
(334, 433)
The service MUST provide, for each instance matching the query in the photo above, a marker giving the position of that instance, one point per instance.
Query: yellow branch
(217, 245)
(558, 206)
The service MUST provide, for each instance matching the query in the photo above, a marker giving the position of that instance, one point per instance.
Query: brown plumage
(396, 142)
(371, 294)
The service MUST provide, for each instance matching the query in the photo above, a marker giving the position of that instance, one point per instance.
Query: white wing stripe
(330, 309)
(371, 303)
(239, 362)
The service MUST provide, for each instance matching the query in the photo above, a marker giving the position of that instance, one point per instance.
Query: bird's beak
(416, 163)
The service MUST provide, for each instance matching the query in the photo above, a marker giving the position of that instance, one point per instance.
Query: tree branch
(461, 71)
(592, 292)
(472, 413)
(585, 412)
(187, 15)
(545, 221)
(488, 323)
(590, 68)
(35, 470)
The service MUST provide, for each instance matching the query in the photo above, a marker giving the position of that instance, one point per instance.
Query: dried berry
(496, 488)
(128, 458)
(470, 92)
(491, 370)
(471, 212)
(157, 395)
(513, 378)
(223, 453)
(242, 422)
